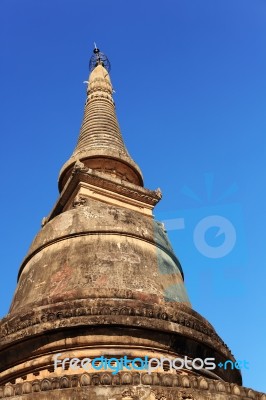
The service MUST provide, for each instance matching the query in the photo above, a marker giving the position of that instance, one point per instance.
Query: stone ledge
(193, 387)
(93, 307)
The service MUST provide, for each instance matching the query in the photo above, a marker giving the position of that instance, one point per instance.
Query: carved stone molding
(81, 173)
(79, 201)
(91, 307)
(162, 386)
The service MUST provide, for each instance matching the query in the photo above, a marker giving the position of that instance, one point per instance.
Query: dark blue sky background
(190, 82)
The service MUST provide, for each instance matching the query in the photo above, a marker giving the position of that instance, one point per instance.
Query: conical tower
(100, 310)
(100, 145)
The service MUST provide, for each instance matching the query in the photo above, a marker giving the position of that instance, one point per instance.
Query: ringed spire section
(100, 144)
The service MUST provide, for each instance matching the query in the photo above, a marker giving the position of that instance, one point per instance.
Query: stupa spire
(100, 144)
(101, 284)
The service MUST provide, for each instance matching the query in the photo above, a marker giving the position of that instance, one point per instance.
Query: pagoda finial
(100, 145)
(99, 58)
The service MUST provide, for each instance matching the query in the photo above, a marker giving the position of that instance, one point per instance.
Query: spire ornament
(99, 58)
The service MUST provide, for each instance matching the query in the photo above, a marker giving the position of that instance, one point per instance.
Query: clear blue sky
(190, 82)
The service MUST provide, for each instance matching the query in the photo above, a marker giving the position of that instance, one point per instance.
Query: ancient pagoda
(101, 290)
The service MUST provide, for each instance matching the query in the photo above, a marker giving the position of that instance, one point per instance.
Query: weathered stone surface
(95, 246)
(101, 279)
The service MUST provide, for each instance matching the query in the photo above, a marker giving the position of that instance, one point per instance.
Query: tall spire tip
(99, 58)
